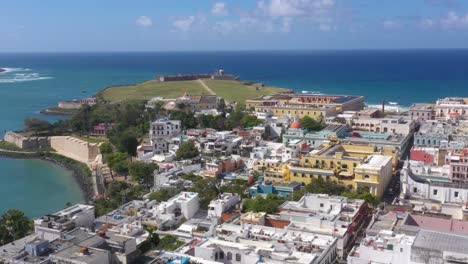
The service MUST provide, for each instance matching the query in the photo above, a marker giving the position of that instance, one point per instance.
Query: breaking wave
(13, 75)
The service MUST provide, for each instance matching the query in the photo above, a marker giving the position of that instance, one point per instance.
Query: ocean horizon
(35, 81)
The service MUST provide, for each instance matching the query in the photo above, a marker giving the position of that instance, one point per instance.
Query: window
(455, 194)
(229, 256)
(321, 205)
(221, 255)
(415, 190)
(238, 257)
(435, 192)
(367, 177)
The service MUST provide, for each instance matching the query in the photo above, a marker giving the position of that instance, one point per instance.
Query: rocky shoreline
(2, 70)
(81, 173)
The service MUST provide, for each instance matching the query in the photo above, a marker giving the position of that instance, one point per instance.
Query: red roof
(296, 124)
(438, 224)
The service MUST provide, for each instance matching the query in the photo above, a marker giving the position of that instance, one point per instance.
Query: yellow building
(360, 166)
(277, 174)
(375, 174)
(318, 113)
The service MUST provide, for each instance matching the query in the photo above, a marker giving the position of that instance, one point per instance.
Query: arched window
(367, 177)
(238, 257)
(221, 254)
(229, 256)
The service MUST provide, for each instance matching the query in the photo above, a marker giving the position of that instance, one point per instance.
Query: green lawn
(149, 89)
(236, 91)
(92, 139)
(229, 90)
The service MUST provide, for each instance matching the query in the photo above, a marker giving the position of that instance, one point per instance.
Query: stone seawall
(26, 142)
(75, 148)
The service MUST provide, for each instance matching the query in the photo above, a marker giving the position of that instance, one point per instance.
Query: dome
(296, 124)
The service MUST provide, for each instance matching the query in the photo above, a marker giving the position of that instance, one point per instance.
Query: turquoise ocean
(34, 81)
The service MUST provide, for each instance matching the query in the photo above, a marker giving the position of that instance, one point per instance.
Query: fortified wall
(75, 148)
(26, 142)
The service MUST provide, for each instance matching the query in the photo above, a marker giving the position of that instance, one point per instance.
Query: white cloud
(184, 24)
(391, 24)
(427, 23)
(454, 21)
(291, 8)
(144, 21)
(325, 27)
(219, 9)
(286, 24)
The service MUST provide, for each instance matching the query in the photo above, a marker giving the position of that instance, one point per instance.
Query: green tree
(249, 121)
(106, 148)
(14, 224)
(312, 124)
(207, 190)
(268, 205)
(127, 142)
(36, 125)
(142, 171)
(187, 151)
(118, 162)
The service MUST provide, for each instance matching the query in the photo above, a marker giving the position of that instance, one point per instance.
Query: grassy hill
(150, 89)
(236, 91)
(229, 90)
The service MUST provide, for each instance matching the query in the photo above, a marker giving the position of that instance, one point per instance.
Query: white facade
(187, 203)
(224, 202)
(53, 226)
(396, 125)
(161, 133)
(451, 106)
(420, 186)
(385, 248)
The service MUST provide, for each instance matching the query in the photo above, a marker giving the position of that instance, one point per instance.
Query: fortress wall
(26, 142)
(75, 148)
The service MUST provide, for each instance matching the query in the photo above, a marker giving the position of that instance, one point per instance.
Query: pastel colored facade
(315, 106)
(375, 173)
(75, 148)
(394, 125)
(387, 143)
(101, 129)
(283, 190)
(458, 161)
(450, 107)
(421, 112)
(316, 139)
(222, 165)
(344, 164)
(428, 155)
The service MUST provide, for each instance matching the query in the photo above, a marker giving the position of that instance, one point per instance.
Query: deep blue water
(399, 76)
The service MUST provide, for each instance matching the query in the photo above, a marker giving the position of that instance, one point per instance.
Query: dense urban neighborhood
(283, 177)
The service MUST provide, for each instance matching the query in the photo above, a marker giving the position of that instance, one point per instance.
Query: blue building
(265, 188)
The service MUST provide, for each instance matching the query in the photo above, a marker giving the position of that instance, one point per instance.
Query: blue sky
(161, 25)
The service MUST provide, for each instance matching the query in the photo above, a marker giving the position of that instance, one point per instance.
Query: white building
(385, 248)
(225, 202)
(53, 226)
(161, 133)
(260, 244)
(451, 107)
(425, 185)
(185, 205)
(396, 125)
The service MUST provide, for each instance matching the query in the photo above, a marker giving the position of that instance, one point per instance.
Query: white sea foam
(13, 75)
(15, 80)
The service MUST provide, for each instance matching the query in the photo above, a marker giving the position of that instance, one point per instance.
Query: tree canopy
(312, 124)
(187, 151)
(14, 224)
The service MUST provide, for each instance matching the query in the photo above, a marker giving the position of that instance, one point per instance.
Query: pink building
(101, 129)
(458, 161)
